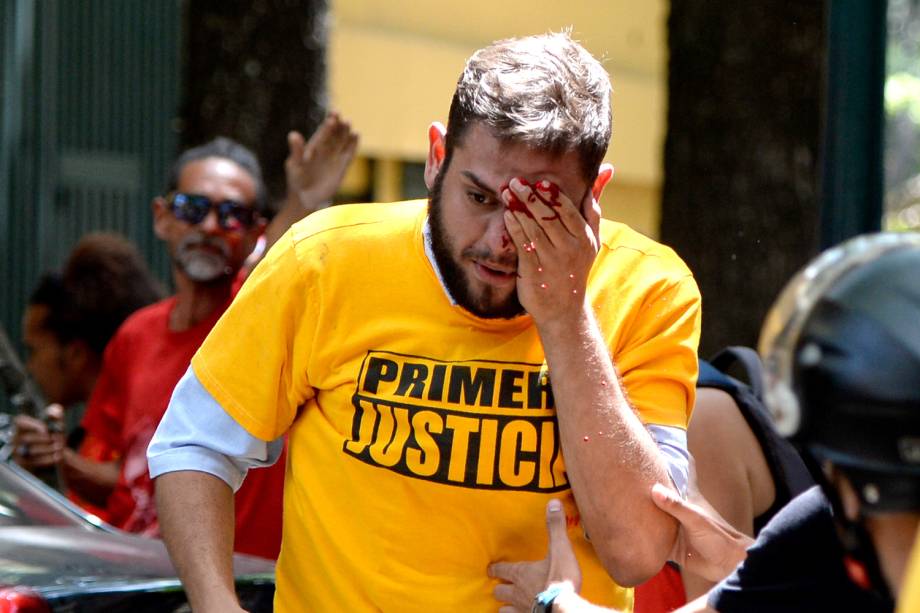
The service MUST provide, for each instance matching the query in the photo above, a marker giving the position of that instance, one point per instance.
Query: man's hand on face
(315, 168)
(34, 444)
(556, 245)
(524, 580)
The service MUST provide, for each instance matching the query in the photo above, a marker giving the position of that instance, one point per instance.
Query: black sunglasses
(193, 208)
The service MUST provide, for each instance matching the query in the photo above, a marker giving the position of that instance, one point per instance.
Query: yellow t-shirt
(909, 599)
(422, 439)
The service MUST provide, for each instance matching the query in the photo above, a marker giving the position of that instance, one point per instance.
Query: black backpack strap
(709, 376)
(748, 359)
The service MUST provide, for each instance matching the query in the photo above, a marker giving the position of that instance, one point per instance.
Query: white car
(56, 558)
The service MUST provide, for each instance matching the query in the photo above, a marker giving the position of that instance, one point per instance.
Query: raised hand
(314, 168)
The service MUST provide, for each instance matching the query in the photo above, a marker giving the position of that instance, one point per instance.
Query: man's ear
(604, 174)
(437, 134)
(161, 216)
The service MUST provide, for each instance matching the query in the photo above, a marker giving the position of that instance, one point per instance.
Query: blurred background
(746, 135)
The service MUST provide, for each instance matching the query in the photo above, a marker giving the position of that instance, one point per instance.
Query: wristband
(543, 603)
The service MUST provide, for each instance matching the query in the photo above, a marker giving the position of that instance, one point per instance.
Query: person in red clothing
(210, 219)
(67, 324)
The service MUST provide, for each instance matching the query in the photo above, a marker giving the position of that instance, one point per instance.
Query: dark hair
(103, 281)
(544, 91)
(228, 149)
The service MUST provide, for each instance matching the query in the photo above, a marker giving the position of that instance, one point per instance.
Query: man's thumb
(295, 144)
(668, 501)
(555, 524)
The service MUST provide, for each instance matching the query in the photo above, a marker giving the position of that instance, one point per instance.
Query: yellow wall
(635, 204)
(392, 77)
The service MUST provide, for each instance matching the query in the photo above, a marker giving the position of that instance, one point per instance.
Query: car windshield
(26, 501)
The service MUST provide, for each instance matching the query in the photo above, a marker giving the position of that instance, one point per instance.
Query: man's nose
(497, 236)
(210, 223)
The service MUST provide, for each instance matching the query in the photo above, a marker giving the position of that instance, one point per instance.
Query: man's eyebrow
(478, 182)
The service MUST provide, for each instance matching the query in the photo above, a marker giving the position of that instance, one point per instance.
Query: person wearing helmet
(841, 347)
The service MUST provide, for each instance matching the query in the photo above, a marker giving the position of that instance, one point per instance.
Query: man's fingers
(326, 137)
(523, 243)
(501, 570)
(691, 516)
(54, 412)
(295, 145)
(351, 145)
(504, 592)
(27, 423)
(333, 137)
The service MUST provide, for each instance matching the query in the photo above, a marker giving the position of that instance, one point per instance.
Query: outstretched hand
(314, 168)
(524, 580)
(706, 544)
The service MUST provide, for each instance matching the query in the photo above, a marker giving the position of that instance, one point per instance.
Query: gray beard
(203, 266)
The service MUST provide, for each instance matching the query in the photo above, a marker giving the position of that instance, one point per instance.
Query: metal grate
(90, 95)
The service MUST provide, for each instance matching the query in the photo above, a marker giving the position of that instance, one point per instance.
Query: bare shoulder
(727, 451)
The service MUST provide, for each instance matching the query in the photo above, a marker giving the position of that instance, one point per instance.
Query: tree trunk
(255, 71)
(740, 200)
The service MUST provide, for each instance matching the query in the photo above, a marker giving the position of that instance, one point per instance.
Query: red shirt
(142, 364)
(662, 593)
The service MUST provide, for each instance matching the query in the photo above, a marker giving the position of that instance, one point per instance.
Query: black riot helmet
(841, 348)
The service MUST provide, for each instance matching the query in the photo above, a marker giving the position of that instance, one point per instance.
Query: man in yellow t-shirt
(433, 364)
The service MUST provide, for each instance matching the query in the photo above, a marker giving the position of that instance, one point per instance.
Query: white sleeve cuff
(196, 433)
(672, 442)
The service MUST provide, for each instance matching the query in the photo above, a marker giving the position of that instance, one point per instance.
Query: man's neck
(893, 536)
(195, 301)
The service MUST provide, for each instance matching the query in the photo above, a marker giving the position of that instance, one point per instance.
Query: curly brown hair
(104, 280)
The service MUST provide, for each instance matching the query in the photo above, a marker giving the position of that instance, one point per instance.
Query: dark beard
(451, 273)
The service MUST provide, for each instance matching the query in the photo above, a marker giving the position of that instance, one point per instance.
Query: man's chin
(205, 269)
(492, 302)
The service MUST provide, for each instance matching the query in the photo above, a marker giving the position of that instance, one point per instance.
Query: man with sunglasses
(210, 219)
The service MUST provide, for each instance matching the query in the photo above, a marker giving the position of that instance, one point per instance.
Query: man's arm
(198, 458)
(611, 460)
(196, 518)
(91, 480)
(37, 447)
(707, 544)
